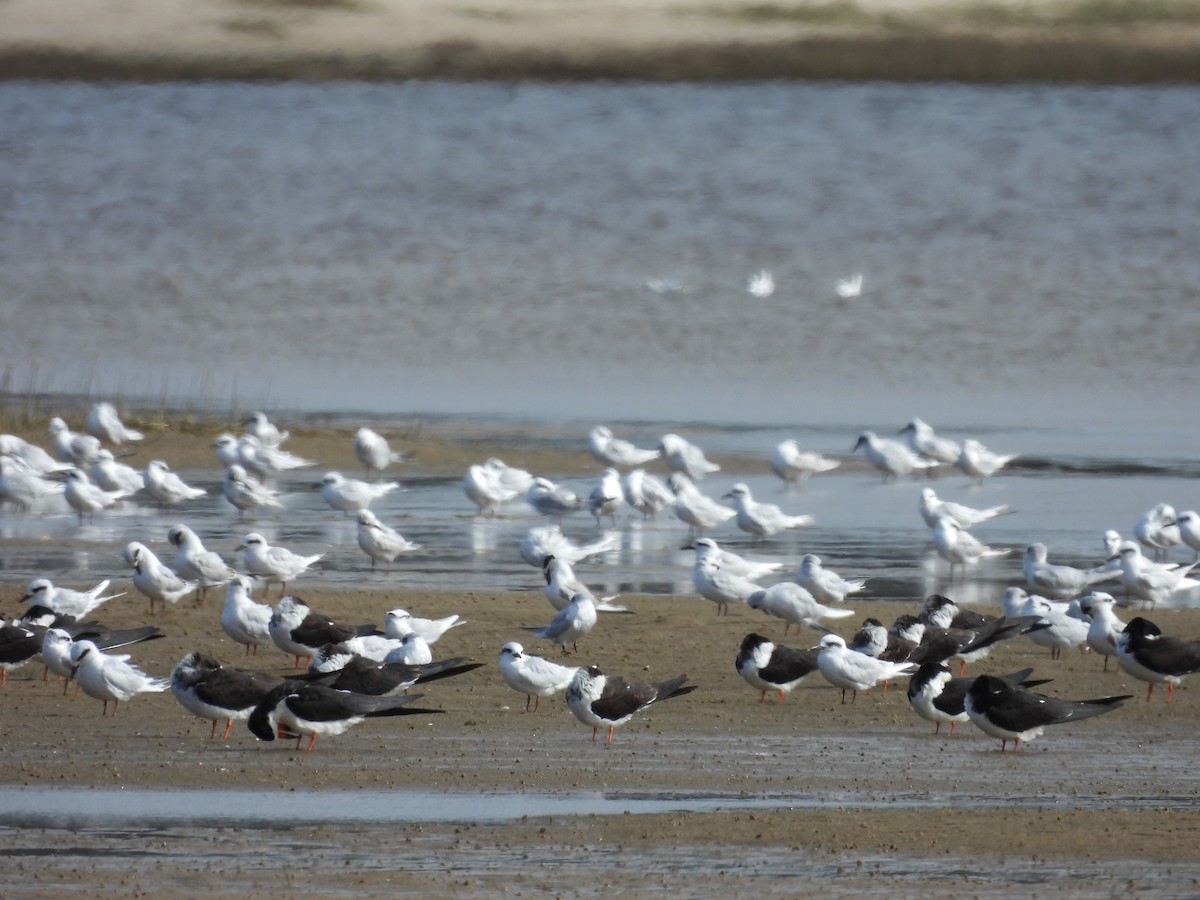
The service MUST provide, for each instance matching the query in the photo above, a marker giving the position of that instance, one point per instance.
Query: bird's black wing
(788, 665)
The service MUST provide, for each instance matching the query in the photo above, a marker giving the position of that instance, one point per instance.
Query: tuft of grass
(1135, 12)
(348, 5)
(1080, 14)
(981, 14)
(834, 12)
(257, 27)
(493, 15)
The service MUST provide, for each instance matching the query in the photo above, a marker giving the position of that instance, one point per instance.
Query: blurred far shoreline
(1062, 41)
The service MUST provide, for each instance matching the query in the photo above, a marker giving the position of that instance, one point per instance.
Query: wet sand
(661, 40)
(872, 799)
(862, 797)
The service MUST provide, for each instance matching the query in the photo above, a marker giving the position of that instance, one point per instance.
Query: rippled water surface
(1028, 252)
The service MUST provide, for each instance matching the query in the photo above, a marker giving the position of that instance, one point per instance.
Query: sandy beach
(862, 795)
(664, 40)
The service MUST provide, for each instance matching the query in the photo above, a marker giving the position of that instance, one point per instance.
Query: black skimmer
(385, 679)
(1012, 713)
(1151, 656)
(299, 631)
(938, 697)
(212, 691)
(772, 667)
(18, 645)
(314, 709)
(606, 701)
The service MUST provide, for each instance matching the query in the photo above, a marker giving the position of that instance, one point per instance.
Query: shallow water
(1066, 489)
(483, 249)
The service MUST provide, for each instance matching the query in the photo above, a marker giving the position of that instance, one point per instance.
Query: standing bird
(245, 621)
(1062, 629)
(70, 446)
(708, 550)
(926, 443)
(18, 644)
(1157, 531)
(226, 450)
(259, 427)
(381, 542)
(959, 547)
(167, 488)
(1013, 713)
(891, 458)
(979, 462)
(153, 578)
(932, 508)
(853, 671)
(1058, 581)
(772, 667)
(606, 701)
(196, 563)
(65, 601)
(795, 466)
(315, 709)
(494, 483)
(104, 424)
(86, 498)
(683, 456)
(826, 585)
(268, 462)
(57, 643)
(212, 691)
(23, 485)
(246, 492)
(761, 520)
(721, 585)
(399, 623)
(607, 497)
(550, 499)
(383, 679)
(936, 696)
(610, 451)
(274, 563)
(548, 540)
(1155, 658)
(1105, 627)
(110, 475)
(562, 586)
(1188, 523)
(106, 677)
(645, 493)
(1148, 581)
(570, 624)
(794, 604)
(351, 495)
(693, 507)
(298, 630)
(531, 675)
(372, 450)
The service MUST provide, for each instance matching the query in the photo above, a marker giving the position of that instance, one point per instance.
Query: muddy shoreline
(869, 783)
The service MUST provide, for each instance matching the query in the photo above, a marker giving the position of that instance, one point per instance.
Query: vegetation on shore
(1090, 41)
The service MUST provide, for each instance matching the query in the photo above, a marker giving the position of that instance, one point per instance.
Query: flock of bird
(356, 671)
